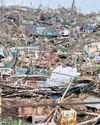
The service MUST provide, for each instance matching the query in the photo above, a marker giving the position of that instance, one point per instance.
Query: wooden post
(66, 91)
(33, 115)
(2, 75)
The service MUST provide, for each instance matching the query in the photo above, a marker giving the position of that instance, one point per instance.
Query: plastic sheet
(62, 75)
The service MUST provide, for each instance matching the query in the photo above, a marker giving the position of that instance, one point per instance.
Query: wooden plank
(33, 116)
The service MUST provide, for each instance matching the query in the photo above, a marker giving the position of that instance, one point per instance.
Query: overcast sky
(85, 6)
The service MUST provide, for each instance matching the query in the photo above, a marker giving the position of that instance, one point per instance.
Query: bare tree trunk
(73, 5)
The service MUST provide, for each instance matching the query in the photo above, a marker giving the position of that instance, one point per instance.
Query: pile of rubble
(50, 60)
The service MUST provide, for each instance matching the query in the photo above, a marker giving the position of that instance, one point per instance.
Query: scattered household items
(49, 66)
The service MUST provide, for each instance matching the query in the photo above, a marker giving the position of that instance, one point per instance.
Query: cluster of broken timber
(55, 105)
(61, 103)
(9, 91)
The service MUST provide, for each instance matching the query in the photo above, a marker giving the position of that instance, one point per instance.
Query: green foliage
(98, 69)
(63, 49)
(10, 122)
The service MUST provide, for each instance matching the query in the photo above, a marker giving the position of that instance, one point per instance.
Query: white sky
(85, 6)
